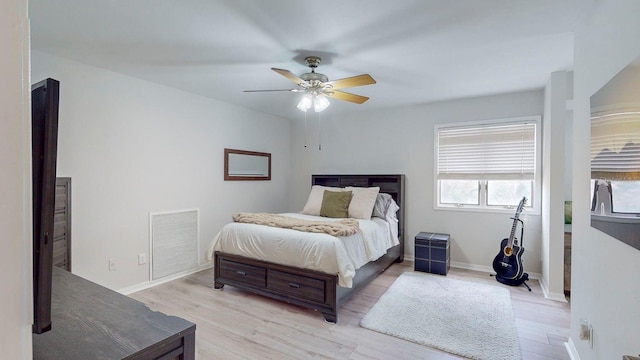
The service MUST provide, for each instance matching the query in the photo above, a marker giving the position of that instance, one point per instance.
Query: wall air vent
(174, 243)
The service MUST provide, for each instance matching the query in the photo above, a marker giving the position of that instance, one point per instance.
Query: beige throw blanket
(344, 227)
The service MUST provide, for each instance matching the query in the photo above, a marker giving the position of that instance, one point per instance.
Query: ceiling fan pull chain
(319, 133)
(305, 129)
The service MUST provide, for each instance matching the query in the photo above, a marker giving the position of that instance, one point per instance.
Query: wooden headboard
(390, 184)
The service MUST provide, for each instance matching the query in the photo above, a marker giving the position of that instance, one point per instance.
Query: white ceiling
(418, 51)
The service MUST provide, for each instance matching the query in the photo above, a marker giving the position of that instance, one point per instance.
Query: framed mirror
(615, 156)
(246, 165)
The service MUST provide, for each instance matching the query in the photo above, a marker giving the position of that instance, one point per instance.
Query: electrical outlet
(112, 264)
(586, 331)
(142, 259)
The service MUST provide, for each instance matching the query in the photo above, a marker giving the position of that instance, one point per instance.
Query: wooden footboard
(302, 287)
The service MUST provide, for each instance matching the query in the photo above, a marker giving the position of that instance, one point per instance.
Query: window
(487, 165)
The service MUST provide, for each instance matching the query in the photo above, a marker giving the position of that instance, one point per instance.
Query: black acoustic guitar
(508, 263)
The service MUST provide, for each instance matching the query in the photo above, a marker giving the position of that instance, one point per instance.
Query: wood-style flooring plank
(234, 324)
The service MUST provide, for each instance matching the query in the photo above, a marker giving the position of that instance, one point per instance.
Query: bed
(310, 287)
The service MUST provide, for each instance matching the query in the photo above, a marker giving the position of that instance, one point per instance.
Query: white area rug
(464, 318)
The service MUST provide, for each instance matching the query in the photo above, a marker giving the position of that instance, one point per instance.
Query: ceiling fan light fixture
(320, 102)
(305, 102)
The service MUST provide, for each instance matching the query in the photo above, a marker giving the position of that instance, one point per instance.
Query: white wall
(605, 286)
(15, 183)
(553, 184)
(133, 147)
(401, 141)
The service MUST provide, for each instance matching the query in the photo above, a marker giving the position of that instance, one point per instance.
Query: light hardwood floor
(233, 324)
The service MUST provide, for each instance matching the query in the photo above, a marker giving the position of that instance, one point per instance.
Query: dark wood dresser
(92, 322)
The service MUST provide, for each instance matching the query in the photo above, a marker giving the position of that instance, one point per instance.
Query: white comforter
(322, 252)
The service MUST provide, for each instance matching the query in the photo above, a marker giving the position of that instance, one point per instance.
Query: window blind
(500, 151)
(615, 146)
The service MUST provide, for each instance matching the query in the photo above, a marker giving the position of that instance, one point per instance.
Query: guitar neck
(516, 218)
(513, 231)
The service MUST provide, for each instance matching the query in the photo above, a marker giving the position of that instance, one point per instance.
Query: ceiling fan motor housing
(314, 76)
(313, 62)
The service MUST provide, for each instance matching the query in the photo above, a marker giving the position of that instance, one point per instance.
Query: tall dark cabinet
(44, 147)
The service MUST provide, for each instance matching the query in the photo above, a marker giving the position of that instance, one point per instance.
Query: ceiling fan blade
(289, 75)
(360, 80)
(341, 95)
(290, 90)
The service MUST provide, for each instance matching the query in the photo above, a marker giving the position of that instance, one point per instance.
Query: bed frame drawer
(299, 286)
(246, 274)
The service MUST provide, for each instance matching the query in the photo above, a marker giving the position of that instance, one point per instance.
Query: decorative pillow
(383, 200)
(361, 206)
(335, 204)
(314, 201)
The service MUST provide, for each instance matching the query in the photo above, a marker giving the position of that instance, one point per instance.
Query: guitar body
(509, 266)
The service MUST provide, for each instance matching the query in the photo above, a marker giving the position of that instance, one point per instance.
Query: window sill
(526, 211)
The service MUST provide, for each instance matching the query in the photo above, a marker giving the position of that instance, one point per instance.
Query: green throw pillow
(335, 204)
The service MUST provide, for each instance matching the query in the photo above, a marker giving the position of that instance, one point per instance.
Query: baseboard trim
(551, 295)
(484, 268)
(474, 267)
(571, 350)
(149, 284)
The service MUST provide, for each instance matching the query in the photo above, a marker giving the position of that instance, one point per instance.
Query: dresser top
(90, 321)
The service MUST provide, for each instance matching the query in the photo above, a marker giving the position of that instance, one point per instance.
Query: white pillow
(362, 202)
(392, 218)
(314, 201)
(392, 211)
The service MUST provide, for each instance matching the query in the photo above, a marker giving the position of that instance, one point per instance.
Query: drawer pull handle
(294, 285)
(241, 273)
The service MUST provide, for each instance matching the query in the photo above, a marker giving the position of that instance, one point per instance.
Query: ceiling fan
(317, 87)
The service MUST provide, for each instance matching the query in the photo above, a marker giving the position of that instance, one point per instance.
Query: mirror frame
(228, 177)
